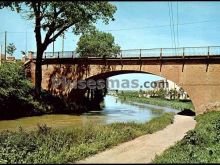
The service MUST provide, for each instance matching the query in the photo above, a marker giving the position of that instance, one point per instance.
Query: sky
(137, 25)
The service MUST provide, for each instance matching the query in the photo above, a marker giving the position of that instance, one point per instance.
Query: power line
(171, 25)
(26, 42)
(177, 21)
(174, 35)
(144, 27)
(5, 44)
(159, 26)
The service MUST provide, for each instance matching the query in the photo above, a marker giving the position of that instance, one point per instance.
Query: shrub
(16, 93)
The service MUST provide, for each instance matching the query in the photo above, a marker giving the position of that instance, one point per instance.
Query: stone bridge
(197, 72)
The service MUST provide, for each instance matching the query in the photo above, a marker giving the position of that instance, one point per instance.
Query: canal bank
(201, 145)
(176, 104)
(114, 110)
(69, 138)
(144, 149)
(46, 145)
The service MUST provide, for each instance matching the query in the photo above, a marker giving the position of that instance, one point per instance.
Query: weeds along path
(143, 149)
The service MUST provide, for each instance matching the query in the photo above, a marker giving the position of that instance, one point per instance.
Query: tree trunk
(38, 72)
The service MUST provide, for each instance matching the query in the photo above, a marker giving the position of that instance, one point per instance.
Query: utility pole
(5, 43)
(63, 46)
(53, 46)
(26, 43)
(1, 56)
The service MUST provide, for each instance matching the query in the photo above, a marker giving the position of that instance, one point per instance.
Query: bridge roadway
(202, 55)
(136, 61)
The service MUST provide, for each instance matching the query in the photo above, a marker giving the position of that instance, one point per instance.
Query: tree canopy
(97, 44)
(10, 49)
(55, 18)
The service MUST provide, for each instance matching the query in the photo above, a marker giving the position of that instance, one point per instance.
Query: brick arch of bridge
(199, 80)
(201, 83)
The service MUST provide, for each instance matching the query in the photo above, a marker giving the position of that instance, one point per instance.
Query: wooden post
(5, 44)
(53, 45)
(121, 59)
(183, 58)
(63, 46)
(140, 60)
(26, 42)
(208, 51)
(183, 52)
(207, 66)
(140, 55)
(1, 56)
(161, 51)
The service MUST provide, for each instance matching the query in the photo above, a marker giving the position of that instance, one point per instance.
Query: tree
(97, 44)
(23, 53)
(10, 49)
(55, 18)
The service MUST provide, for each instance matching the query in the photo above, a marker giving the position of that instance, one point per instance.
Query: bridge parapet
(139, 53)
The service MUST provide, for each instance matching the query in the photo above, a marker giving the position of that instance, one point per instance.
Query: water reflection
(114, 110)
(120, 111)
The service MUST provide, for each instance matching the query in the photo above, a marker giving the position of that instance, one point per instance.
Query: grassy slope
(201, 145)
(63, 146)
(158, 101)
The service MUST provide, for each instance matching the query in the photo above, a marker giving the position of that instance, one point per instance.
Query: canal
(114, 110)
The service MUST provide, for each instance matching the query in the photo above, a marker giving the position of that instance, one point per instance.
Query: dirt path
(144, 148)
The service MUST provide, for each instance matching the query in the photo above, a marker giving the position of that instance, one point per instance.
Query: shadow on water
(113, 111)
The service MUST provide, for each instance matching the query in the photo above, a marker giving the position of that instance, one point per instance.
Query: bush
(16, 93)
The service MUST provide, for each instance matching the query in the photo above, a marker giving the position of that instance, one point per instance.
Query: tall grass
(47, 145)
(133, 96)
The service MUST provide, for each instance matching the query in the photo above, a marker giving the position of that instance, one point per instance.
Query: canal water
(114, 110)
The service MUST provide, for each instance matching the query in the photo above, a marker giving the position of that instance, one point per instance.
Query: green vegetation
(97, 44)
(10, 49)
(17, 96)
(55, 18)
(48, 145)
(134, 96)
(201, 145)
(15, 93)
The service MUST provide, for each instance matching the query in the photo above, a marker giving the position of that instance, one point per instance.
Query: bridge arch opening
(159, 82)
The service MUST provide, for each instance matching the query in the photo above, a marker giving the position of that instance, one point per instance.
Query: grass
(157, 101)
(46, 145)
(201, 145)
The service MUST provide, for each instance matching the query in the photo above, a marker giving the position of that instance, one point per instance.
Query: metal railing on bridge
(139, 53)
